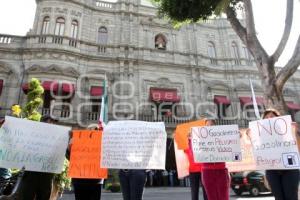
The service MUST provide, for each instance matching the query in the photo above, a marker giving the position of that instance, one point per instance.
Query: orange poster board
(85, 155)
(182, 132)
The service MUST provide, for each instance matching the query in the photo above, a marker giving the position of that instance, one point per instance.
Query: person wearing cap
(215, 176)
(284, 183)
(87, 189)
(37, 185)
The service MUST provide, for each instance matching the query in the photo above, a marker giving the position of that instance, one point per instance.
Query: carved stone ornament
(52, 69)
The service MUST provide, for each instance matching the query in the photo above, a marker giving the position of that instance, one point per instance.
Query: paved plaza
(166, 193)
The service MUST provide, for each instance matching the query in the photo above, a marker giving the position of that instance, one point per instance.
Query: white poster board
(216, 144)
(37, 146)
(134, 145)
(274, 145)
(182, 162)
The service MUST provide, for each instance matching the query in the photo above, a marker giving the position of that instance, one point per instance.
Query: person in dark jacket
(87, 189)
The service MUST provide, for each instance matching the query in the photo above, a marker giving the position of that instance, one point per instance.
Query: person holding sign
(215, 176)
(37, 185)
(284, 183)
(195, 174)
(85, 163)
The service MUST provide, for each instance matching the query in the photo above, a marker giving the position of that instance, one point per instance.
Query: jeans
(36, 186)
(284, 183)
(132, 184)
(195, 178)
(216, 183)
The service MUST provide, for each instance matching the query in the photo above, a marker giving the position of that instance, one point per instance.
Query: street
(166, 193)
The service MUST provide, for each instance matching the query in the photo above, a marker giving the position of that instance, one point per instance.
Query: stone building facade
(154, 72)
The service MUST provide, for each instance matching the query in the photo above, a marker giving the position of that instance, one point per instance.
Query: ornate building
(154, 71)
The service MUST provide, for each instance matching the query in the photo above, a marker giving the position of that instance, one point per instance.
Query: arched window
(211, 50)
(160, 42)
(102, 35)
(60, 26)
(236, 54)
(74, 29)
(45, 27)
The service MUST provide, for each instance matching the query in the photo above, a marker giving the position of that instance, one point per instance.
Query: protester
(195, 175)
(284, 183)
(87, 189)
(215, 176)
(37, 185)
(132, 183)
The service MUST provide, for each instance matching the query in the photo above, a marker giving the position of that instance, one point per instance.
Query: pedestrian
(194, 175)
(37, 185)
(215, 176)
(132, 183)
(87, 189)
(284, 183)
(171, 178)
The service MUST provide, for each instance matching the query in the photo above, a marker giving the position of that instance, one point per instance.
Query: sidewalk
(166, 193)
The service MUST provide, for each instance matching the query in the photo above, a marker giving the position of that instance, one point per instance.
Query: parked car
(252, 181)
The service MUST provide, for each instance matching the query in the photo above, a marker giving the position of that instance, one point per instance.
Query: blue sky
(16, 18)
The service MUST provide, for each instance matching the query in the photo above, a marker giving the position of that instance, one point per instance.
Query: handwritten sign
(274, 144)
(216, 143)
(85, 155)
(248, 162)
(37, 146)
(182, 162)
(134, 145)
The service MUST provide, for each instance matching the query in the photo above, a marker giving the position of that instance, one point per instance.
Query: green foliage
(193, 10)
(34, 100)
(113, 187)
(62, 180)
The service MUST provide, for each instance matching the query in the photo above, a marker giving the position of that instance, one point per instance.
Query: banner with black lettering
(216, 144)
(274, 144)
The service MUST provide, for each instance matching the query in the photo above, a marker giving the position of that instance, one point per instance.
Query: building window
(236, 54)
(211, 50)
(160, 42)
(74, 29)
(247, 55)
(102, 35)
(45, 28)
(60, 26)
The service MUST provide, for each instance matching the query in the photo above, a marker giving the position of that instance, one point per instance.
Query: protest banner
(134, 145)
(248, 162)
(216, 143)
(274, 144)
(85, 155)
(182, 132)
(37, 146)
(182, 162)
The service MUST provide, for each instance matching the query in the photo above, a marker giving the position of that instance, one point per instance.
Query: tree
(272, 82)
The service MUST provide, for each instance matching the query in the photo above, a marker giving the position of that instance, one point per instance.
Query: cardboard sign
(134, 145)
(216, 144)
(248, 162)
(274, 144)
(182, 162)
(182, 131)
(37, 146)
(85, 155)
